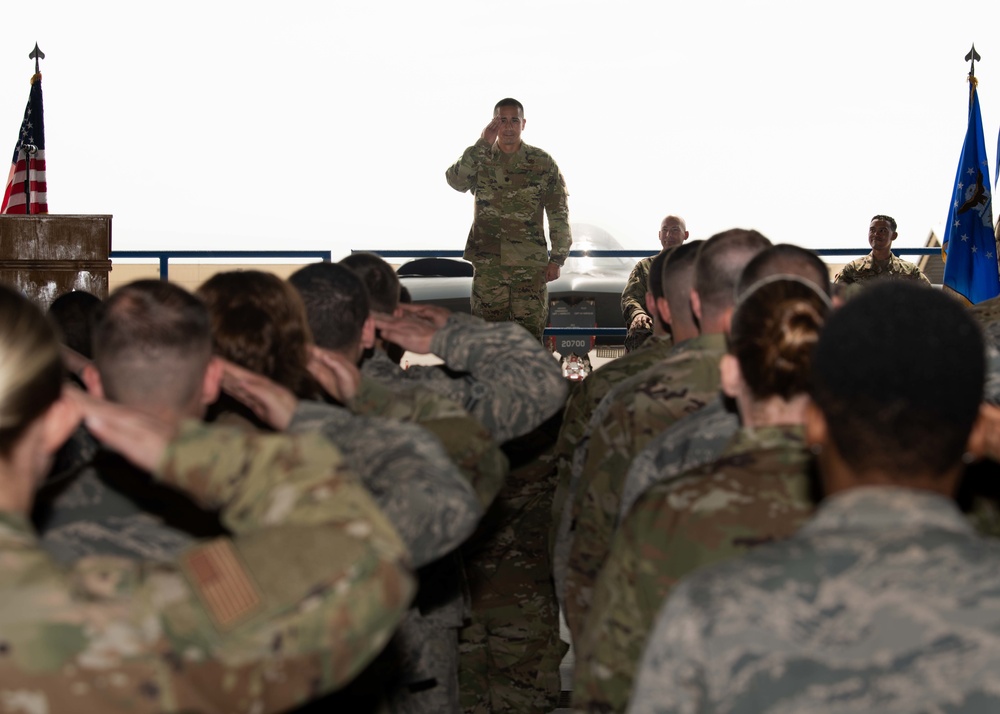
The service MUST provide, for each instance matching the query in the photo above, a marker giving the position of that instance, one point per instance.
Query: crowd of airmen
(237, 500)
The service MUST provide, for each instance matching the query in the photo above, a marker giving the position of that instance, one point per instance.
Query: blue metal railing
(163, 257)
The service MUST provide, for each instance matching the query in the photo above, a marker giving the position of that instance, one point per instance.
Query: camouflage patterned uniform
(865, 269)
(884, 602)
(582, 402)
(638, 410)
(506, 244)
(306, 592)
(432, 506)
(496, 371)
(695, 440)
(511, 648)
(424, 652)
(634, 302)
(757, 491)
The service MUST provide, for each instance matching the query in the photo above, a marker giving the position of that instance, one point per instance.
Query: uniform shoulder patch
(222, 582)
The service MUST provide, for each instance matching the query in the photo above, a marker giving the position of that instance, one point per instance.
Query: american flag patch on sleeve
(222, 582)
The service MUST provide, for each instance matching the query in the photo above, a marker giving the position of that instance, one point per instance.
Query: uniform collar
(886, 508)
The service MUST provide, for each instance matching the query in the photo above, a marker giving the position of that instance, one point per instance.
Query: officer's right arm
(462, 175)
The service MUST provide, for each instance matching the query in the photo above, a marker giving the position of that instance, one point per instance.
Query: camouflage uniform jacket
(651, 402)
(306, 592)
(757, 491)
(512, 191)
(405, 468)
(695, 440)
(497, 371)
(864, 269)
(886, 601)
(634, 294)
(582, 402)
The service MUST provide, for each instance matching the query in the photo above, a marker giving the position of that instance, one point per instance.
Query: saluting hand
(334, 373)
(273, 403)
(492, 130)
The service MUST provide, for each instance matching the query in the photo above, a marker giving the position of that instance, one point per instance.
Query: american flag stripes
(28, 164)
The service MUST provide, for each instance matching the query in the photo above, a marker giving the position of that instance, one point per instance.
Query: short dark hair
(677, 274)
(336, 302)
(656, 272)
(898, 375)
(508, 102)
(73, 314)
(379, 277)
(720, 262)
(785, 259)
(152, 342)
(888, 219)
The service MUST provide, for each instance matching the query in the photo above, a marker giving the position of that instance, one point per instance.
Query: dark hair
(677, 274)
(785, 259)
(656, 273)
(888, 219)
(898, 374)
(32, 375)
(72, 314)
(152, 341)
(720, 262)
(379, 277)
(336, 303)
(773, 332)
(508, 102)
(258, 322)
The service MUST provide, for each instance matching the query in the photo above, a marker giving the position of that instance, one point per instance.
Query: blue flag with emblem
(971, 267)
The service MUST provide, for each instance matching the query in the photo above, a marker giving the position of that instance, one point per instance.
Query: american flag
(29, 158)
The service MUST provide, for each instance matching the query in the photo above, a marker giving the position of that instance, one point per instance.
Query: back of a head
(655, 285)
(258, 322)
(677, 275)
(721, 260)
(152, 344)
(31, 372)
(336, 303)
(73, 314)
(379, 278)
(785, 259)
(773, 333)
(898, 375)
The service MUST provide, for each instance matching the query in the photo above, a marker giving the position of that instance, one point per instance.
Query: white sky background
(218, 125)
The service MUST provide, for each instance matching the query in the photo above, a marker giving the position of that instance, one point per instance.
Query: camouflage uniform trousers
(512, 294)
(509, 654)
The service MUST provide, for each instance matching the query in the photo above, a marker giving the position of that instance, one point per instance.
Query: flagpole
(30, 149)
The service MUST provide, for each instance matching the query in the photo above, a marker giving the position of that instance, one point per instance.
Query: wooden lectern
(46, 255)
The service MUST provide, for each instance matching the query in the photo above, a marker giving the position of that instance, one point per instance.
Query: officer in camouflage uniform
(230, 625)
(649, 403)
(758, 490)
(513, 185)
(885, 600)
(880, 264)
(585, 397)
(636, 315)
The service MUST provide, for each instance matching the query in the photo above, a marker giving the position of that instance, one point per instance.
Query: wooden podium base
(48, 255)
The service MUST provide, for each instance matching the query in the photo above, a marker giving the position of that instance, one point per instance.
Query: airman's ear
(731, 375)
(211, 383)
(663, 310)
(92, 381)
(696, 305)
(368, 331)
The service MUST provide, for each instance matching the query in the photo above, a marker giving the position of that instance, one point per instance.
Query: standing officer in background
(513, 183)
(638, 321)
